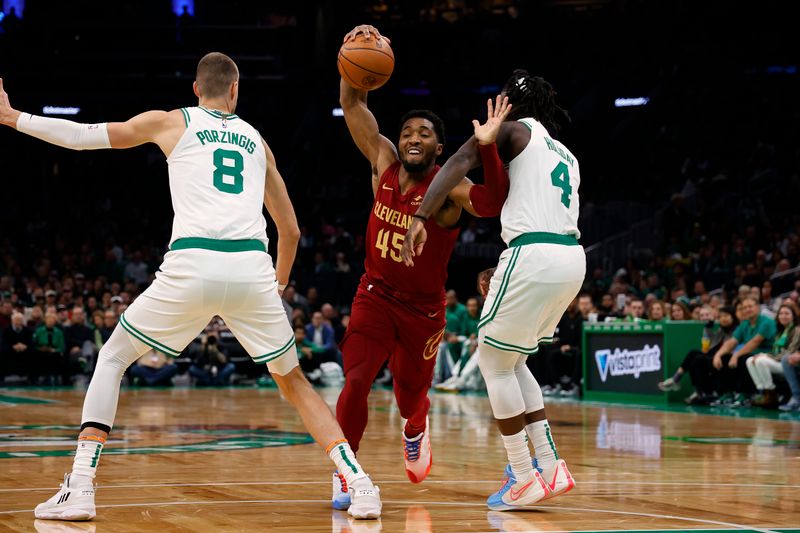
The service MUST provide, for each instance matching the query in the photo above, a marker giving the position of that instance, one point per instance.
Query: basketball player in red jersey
(398, 313)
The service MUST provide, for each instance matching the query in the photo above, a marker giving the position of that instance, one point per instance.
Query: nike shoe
(417, 455)
(515, 494)
(69, 503)
(365, 500)
(340, 500)
(562, 481)
(534, 463)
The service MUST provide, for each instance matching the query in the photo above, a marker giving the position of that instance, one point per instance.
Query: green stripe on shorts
(509, 347)
(271, 356)
(502, 291)
(145, 339)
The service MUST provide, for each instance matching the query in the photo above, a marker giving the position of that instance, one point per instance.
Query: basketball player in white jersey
(220, 172)
(537, 276)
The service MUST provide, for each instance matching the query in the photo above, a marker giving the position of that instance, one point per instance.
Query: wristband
(421, 217)
(282, 286)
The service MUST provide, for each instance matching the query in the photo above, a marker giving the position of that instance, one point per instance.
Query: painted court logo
(23, 441)
(628, 362)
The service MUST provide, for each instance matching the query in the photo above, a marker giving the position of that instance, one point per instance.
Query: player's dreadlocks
(532, 96)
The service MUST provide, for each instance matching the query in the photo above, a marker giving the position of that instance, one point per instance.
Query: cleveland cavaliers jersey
(389, 220)
(544, 181)
(216, 178)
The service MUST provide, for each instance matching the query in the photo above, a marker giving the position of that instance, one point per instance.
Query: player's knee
(358, 384)
(292, 385)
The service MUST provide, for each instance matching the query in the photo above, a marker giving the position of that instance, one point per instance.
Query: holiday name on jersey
(557, 149)
(226, 137)
(392, 216)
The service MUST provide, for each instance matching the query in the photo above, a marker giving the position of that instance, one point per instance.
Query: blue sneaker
(515, 494)
(341, 493)
(534, 464)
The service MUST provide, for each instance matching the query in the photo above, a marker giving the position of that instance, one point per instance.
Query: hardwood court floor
(238, 460)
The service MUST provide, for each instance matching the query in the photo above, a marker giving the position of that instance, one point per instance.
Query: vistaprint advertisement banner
(625, 363)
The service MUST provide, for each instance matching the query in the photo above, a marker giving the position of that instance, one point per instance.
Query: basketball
(366, 62)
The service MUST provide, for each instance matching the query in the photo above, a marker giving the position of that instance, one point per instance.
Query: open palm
(496, 114)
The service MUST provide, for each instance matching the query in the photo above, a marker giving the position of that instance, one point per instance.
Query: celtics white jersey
(544, 188)
(216, 177)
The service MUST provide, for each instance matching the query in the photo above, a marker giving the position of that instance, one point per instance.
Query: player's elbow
(289, 233)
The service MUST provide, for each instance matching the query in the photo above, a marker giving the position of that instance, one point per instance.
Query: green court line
(19, 400)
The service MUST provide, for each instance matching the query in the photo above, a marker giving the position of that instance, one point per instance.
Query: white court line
(427, 482)
(423, 503)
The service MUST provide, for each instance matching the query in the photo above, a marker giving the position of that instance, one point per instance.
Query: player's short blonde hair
(215, 74)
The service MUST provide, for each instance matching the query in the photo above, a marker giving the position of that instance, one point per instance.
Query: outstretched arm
(279, 206)
(484, 199)
(160, 127)
(361, 122)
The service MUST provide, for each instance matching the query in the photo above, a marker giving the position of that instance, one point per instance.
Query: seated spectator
(636, 309)
(450, 347)
(48, 340)
(466, 374)
(656, 311)
(791, 369)
(756, 333)
(79, 340)
(16, 347)
(153, 369)
(309, 355)
(698, 363)
(322, 335)
(109, 323)
(680, 311)
(210, 365)
(763, 365)
(559, 361)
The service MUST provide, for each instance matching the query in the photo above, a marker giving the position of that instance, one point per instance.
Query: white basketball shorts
(194, 285)
(528, 294)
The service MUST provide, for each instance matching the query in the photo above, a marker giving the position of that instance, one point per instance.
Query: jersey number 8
(221, 169)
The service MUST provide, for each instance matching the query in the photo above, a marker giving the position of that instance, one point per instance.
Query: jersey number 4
(560, 178)
(223, 167)
(382, 244)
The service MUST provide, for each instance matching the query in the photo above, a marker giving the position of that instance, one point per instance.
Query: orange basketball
(366, 62)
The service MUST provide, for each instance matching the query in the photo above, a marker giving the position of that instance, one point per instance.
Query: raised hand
(8, 115)
(366, 30)
(496, 114)
(414, 241)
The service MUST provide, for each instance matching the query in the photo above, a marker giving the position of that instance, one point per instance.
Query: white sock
(546, 454)
(347, 465)
(87, 455)
(519, 455)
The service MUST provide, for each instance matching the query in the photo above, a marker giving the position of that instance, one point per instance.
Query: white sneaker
(69, 503)
(562, 481)
(365, 500)
(417, 455)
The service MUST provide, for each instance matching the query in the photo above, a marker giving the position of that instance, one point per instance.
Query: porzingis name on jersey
(392, 216)
(226, 137)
